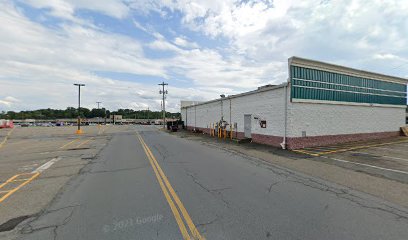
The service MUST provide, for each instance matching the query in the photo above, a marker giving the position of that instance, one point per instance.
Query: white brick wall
(330, 119)
(315, 119)
(267, 106)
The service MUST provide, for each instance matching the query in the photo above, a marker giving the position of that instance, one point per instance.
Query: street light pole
(164, 92)
(79, 131)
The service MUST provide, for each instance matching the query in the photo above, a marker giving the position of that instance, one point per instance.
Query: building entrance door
(247, 125)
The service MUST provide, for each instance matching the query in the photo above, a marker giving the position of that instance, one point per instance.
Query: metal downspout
(283, 144)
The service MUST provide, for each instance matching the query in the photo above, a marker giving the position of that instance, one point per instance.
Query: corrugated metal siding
(328, 86)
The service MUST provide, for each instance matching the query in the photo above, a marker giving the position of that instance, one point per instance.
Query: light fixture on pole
(79, 131)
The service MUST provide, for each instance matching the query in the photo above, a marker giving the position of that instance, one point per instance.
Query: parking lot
(387, 157)
(35, 162)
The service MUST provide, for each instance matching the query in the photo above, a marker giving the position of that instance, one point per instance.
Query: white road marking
(391, 149)
(46, 165)
(397, 158)
(27, 167)
(366, 165)
(383, 156)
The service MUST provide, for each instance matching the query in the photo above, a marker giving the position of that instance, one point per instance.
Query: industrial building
(319, 104)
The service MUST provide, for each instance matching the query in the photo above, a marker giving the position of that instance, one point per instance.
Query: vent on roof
(266, 86)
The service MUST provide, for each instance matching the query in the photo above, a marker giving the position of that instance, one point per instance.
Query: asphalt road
(125, 194)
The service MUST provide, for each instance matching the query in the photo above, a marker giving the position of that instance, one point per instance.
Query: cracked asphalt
(227, 195)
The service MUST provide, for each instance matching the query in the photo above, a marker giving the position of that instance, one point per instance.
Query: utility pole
(99, 122)
(164, 92)
(148, 120)
(79, 131)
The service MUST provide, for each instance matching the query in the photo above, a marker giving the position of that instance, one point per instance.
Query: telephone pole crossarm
(164, 92)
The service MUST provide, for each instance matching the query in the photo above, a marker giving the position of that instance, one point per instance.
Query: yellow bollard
(225, 133)
(231, 131)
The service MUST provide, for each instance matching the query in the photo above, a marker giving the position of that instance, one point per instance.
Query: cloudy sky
(121, 49)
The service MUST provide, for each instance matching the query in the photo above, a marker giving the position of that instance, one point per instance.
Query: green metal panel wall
(328, 86)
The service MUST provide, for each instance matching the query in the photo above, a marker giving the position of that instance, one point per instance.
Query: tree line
(72, 112)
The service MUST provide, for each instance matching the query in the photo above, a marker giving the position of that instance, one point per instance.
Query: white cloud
(9, 101)
(162, 44)
(66, 8)
(348, 32)
(58, 8)
(182, 42)
(39, 64)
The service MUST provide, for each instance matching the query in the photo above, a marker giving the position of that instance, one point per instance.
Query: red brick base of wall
(267, 139)
(303, 142)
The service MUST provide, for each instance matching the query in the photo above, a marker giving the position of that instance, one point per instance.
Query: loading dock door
(247, 125)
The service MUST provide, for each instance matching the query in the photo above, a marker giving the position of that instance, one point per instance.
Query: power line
(399, 66)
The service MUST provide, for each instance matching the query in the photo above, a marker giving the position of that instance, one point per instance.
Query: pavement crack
(220, 189)
(214, 192)
(117, 170)
(62, 208)
(259, 162)
(209, 222)
(345, 194)
(162, 151)
(272, 185)
(28, 228)
(65, 221)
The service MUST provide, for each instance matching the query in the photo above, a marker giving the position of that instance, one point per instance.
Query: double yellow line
(171, 195)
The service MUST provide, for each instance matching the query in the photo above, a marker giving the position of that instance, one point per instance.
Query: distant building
(160, 121)
(116, 118)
